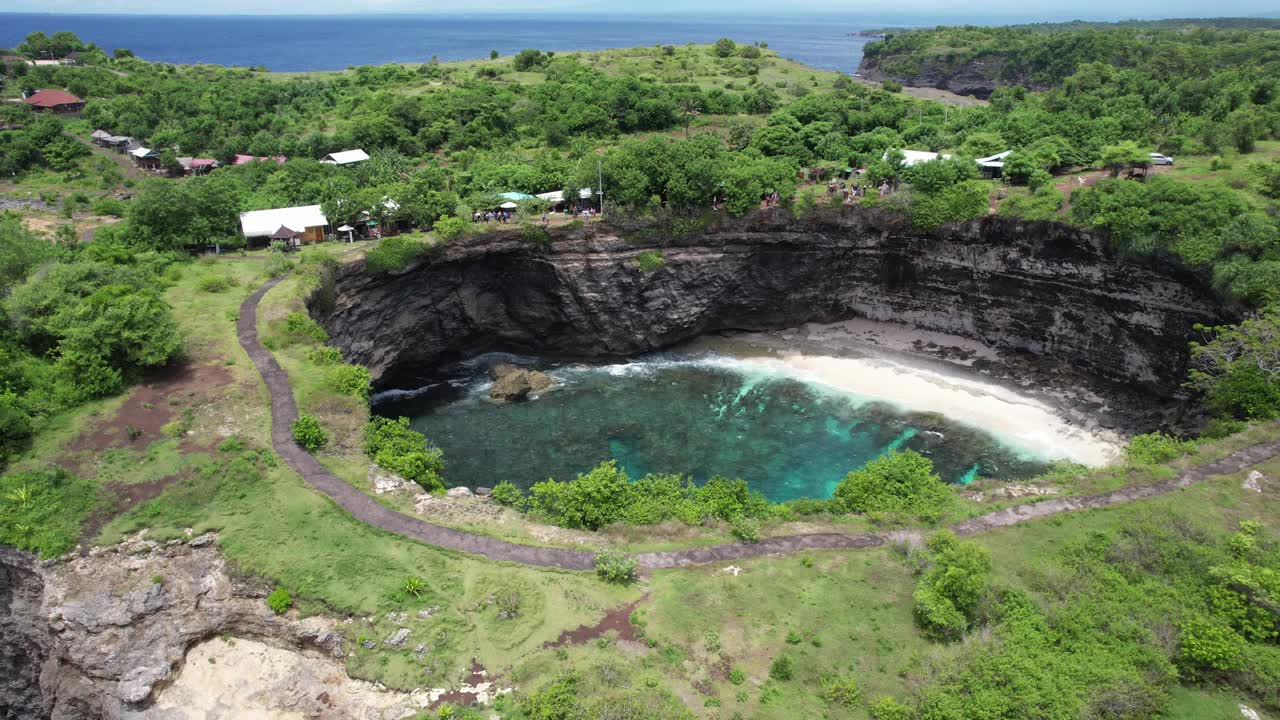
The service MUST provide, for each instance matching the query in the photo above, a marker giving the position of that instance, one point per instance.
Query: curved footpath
(364, 508)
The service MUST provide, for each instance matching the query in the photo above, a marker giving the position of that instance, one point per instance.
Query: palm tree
(690, 107)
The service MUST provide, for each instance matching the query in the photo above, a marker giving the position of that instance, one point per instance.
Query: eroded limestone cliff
(978, 77)
(1041, 288)
(99, 636)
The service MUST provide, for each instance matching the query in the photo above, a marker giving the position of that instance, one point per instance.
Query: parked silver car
(1158, 159)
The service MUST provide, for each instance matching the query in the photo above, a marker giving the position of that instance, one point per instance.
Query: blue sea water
(788, 438)
(299, 43)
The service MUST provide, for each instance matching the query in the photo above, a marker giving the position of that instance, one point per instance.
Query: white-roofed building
(145, 157)
(307, 221)
(993, 167)
(915, 157)
(345, 157)
(557, 200)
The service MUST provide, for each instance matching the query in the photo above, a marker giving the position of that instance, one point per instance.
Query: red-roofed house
(54, 101)
(197, 166)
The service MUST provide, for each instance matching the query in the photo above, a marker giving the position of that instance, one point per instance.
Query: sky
(1083, 9)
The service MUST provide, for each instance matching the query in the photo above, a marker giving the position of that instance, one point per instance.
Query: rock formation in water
(511, 383)
(98, 636)
(1045, 289)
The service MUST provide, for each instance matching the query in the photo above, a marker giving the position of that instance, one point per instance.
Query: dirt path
(120, 159)
(284, 411)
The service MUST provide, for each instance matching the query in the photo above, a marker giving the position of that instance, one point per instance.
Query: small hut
(291, 238)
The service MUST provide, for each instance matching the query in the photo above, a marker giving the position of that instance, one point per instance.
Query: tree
(938, 175)
(493, 54)
(724, 47)
(947, 596)
(1238, 367)
(1123, 155)
(528, 59)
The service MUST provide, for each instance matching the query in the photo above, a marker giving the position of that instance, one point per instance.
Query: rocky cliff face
(98, 636)
(978, 78)
(1041, 288)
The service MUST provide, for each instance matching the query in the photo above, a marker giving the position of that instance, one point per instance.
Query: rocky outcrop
(97, 636)
(1048, 290)
(517, 383)
(978, 77)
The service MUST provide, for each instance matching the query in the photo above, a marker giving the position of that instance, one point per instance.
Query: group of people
(851, 191)
(502, 216)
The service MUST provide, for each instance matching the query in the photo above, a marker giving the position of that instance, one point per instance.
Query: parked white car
(1158, 159)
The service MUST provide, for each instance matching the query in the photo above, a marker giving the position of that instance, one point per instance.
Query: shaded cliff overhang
(1047, 289)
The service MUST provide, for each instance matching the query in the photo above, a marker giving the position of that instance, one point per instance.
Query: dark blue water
(786, 437)
(332, 43)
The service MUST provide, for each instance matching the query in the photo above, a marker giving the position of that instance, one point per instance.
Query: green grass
(850, 611)
(1197, 704)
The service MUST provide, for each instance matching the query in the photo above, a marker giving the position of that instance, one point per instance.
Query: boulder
(512, 383)
(1254, 481)
(512, 387)
(397, 638)
(538, 380)
(501, 369)
(458, 492)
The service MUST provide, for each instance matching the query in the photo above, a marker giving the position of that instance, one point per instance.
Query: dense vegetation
(79, 322)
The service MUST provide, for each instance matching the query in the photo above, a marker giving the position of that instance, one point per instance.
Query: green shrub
(783, 668)
(1155, 448)
(615, 567)
(450, 228)
(1219, 428)
(393, 254)
(299, 325)
(891, 86)
(650, 261)
(841, 690)
(394, 446)
(535, 235)
(325, 355)
(350, 380)
(557, 701)
(278, 263)
(957, 203)
(897, 482)
(947, 596)
(280, 601)
(886, 708)
(308, 433)
(214, 283)
(107, 205)
(507, 494)
(737, 676)
(745, 529)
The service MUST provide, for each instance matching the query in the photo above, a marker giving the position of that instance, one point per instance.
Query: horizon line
(772, 15)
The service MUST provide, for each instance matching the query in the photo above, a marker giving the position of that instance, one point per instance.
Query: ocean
(299, 43)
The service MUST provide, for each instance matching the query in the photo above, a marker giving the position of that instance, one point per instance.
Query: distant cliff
(978, 77)
(1053, 291)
